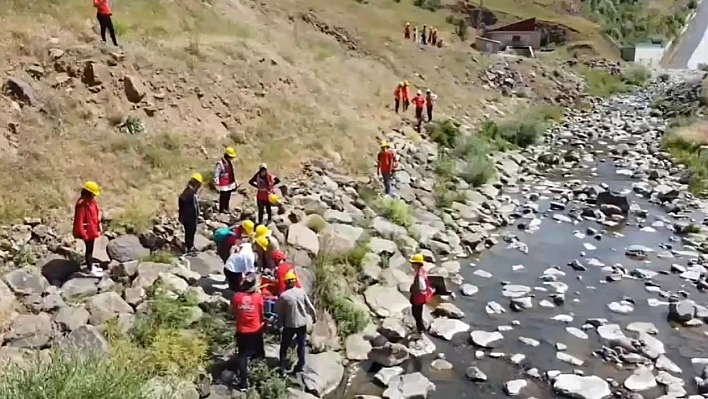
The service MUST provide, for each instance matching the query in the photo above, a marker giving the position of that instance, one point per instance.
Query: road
(692, 48)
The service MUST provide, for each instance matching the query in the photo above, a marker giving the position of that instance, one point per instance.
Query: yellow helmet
(262, 231)
(262, 242)
(197, 177)
(385, 144)
(273, 199)
(248, 226)
(405, 83)
(290, 276)
(230, 152)
(92, 187)
(418, 258)
(401, 84)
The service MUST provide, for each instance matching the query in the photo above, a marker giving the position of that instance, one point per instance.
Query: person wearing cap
(247, 308)
(406, 96)
(225, 179)
(293, 307)
(397, 96)
(429, 100)
(188, 204)
(87, 222)
(407, 31)
(419, 103)
(227, 237)
(282, 268)
(386, 166)
(241, 262)
(421, 291)
(264, 182)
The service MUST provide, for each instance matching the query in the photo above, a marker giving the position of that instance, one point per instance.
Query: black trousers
(88, 255)
(286, 339)
(264, 207)
(398, 104)
(224, 199)
(233, 279)
(190, 230)
(417, 311)
(249, 346)
(107, 25)
(430, 113)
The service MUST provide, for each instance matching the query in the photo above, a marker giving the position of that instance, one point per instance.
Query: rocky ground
(593, 287)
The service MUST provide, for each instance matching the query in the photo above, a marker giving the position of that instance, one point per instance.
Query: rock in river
(575, 386)
(485, 339)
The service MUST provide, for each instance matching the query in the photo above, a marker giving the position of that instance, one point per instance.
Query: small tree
(462, 29)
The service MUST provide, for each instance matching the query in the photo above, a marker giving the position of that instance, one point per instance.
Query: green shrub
(444, 167)
(267, 383)
(636, 75)
(602, 84)
(692, 4)
(395, 210)
(445, 195)
(477, 171)
(430, 5)
(689, 154)
(176, 353)
(349, 318)
(74, 376)
(217, 326)
(446, 134)
(693, 228)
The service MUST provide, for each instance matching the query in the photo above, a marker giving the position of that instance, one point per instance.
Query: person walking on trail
(430, 35)
(227, 237)
(424, 35)
(421, 292)
(407, 31)
(429, 101)
(406, 96)
(386, 166)
(189, 211)
(282, 268)
(241, 262)
(419, 103)
(265, 183)
(225, 179)
(247, 308)
(398, 96)
(292, 308)
(87, 223)
(434, 37)
(415, 34)
(103, 14)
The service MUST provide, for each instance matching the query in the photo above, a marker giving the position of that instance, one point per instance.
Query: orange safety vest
(406, 94)
(226, 177)
(419, 102)
(265, 187)
(387, 161)
(421, 298)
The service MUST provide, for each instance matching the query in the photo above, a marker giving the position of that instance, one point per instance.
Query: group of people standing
(427, 35)
(401, 97)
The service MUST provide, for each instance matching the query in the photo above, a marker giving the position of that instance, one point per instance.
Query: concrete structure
(647, 54)
(485, 45)
(517, 34)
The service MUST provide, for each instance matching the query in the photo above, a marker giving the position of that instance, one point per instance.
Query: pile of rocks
(500, 76)
(685, 99)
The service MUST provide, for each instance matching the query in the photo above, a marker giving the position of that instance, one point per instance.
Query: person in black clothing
(265, 183)
(189, 211)
(103, 14)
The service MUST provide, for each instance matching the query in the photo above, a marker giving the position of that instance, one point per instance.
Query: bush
(636, 75)
(444, 167)
(446, 134)
(267, 383)
(602, 84)
(689, 154)
(176, 353)
(445, 195)
(430, 5)
(160, 257)
(477, 171)
(74, 376)
(692, 4)
(350, 319)
(461, 29)
(395, 210)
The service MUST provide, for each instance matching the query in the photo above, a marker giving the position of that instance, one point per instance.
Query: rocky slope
(48, 303)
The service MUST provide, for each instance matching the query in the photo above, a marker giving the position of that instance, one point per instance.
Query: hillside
(284, 81)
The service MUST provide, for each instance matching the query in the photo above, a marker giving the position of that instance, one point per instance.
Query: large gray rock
(485, 339)
(641, 379)
(385, 301)
(357, 347)
(682, 311)
(84, 339)
(389, 354)
(160, 388)
(409, 386)
(447, 328)
(148, 273)
(7, 298)
(21, 91)
(206, 264)
(300, 236)
(26, 281)
(126, 248)
(106, 306)
(322, 373)
(70, 318)
(614, 199)
(79, 287)
(30, 331)
(577, 387)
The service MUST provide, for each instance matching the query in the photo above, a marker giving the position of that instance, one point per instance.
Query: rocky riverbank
(601, 244)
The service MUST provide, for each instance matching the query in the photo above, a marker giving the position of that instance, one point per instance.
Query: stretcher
(267, 288)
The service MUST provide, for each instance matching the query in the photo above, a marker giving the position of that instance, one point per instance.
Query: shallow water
(587, 297)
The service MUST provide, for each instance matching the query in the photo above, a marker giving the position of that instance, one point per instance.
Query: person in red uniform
(421, 291)
(247, 308)
(282, 267)
(386, 166)
(397, 96)
(103, 14)
(419, 103)
(87, 220)
(225, 179)
(265, 183)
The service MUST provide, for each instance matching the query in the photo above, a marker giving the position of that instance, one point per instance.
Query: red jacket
(247, 308)
(419, 102)
(387, 161)
(280, 273)
(418, 297)
(103, 7)
(87, 225)
(266, 187)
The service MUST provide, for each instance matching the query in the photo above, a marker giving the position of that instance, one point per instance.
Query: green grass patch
(395, 210)
(602, 84)
(160, 257)
(689, 154)
(521, 131)
(446, 134)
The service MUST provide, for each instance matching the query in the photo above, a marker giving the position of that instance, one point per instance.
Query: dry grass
(252, 75)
